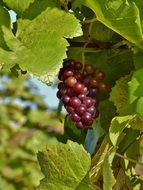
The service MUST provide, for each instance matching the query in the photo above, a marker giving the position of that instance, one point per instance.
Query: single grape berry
(71, 81)
(82, 96)
(79, 125)
(87, 119)
(78, 88)
(74, 102)
(68, 73)
(93, 92)
(89, 69)
(99, 75)
(70, 109)
(103, 87)
(74, 117)
(88, 101)
(65, 99)
(78, 66)
(80, 110)
(94, 82)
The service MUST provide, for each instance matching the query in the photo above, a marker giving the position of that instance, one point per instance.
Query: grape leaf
(18, 5)
(120, 16)
(4, 21)
(108, 177)
(136, 85)
(139, 106)
(118, 124)
(64, 166)
(70, 132)
(40, 35)
(100, 32)
(106, 115)
(37, 7)
(97, 161)
(120, 96)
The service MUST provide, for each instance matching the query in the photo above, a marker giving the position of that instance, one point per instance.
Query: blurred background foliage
(26, 125)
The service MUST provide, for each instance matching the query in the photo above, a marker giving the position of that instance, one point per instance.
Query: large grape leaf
(120, 16)
(38, 46)
(64, 166)
(18, 5)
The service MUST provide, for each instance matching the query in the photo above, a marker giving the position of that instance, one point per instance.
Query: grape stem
(129, 159)
(89, 21)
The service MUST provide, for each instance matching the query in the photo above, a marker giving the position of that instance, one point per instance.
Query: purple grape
(91, 110)
(87, 119)
(81, 96)
(70, 92)
(88, 102)
(65, 99)
(79, 125)
(68, 73)
(75, 102)
(93, 92)
(70, 109)
(78, 88)
(74, 117)
(80, 110)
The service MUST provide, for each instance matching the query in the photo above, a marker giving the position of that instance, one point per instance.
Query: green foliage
(18, 6)
(22, 136)
(62, 171)
(105, 34)
(39, 35)
(120, 16)
(108, 177)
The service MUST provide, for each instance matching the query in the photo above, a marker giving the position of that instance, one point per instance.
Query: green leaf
(139, 108)
(120, 96)
(37, 7)
(40, 35)
(18, 6)
(85, 185)
(97, 161)
(100, 32)
(70, 132)
(136, 85)
(108, 177)
(120, 16)
(105, 115)
(118, 124)
(64, 166)
(4, 21)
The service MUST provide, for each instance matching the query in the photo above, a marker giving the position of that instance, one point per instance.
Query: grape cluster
(79, 90)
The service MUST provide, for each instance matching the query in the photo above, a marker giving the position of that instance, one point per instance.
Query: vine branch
(129, 159)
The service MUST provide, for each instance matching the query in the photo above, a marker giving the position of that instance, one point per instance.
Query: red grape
(79, 91)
